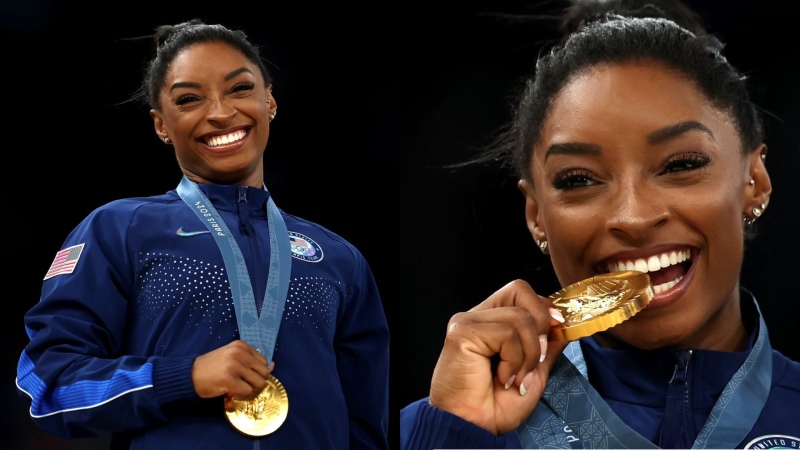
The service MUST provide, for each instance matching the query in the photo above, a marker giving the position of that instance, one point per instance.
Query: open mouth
(226, 139)
(665, 269)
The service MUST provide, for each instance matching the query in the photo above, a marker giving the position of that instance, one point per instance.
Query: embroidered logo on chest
(304, 248)
(774, 441)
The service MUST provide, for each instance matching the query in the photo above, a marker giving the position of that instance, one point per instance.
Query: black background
(373, 101)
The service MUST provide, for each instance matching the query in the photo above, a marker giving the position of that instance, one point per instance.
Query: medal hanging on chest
(262, 415)
(267, 412)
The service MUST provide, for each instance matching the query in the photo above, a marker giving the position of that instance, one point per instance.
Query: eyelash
(685, 162)
(577, 178)
(187, 98)
(569, 179)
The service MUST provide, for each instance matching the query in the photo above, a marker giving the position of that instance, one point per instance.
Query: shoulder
(786, 373)
(307, 234)
(127, 207)
(112, 220)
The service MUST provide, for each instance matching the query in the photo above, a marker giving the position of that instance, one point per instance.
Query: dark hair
(170, 40)
(617, 31)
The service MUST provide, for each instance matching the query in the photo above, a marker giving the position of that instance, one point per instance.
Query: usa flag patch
(65, 261)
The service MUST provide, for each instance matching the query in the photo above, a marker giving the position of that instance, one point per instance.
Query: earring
(166, 140)
(272, 117)
(752, 182)
(543, 246)
(757, 212)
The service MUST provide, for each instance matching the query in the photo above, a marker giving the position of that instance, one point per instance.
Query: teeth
(225, 139)
(654, 264)
(666, 286)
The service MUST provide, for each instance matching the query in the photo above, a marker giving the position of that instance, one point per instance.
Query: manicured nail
(526, 382)
(510, 381)
(556, 314)
(543, 346)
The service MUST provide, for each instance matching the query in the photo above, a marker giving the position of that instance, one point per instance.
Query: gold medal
(262, 415)
(599, 303)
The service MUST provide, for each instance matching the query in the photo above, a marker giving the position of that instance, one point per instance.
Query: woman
(637, 146)
(206, 317)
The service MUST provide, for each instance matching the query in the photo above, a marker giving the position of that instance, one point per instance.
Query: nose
(221, 112)
(636, 210)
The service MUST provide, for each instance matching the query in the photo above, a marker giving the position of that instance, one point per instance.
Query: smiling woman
(207, 317)
(637, 147)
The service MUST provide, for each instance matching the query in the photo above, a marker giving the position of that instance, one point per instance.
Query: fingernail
(526, 382)
(556, 314)
(510, 381)
(543, 346)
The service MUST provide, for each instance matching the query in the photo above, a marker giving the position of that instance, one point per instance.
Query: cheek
(570, 232)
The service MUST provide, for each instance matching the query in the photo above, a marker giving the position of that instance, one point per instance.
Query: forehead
(208, 60)
(619, 100)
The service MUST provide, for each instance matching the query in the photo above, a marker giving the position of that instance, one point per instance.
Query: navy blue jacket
(112, 343)
(637, 384)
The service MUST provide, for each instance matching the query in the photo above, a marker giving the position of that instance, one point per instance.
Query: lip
(671, 296)
(225, 147)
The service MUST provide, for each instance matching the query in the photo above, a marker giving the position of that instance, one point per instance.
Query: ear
(757, 193)
(532, 215)
(158, 123)
(273, 105)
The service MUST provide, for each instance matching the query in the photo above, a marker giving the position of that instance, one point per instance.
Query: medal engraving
(599, 303)
(263, 414)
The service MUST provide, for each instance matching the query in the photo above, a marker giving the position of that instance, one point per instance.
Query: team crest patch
(304, 248)
(774, 441)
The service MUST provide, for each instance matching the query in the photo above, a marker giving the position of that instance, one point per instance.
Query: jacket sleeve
(425, 427)
(74, 369)
(362, 356)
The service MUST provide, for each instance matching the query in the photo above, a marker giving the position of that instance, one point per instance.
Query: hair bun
(582, 12)
(164, 32)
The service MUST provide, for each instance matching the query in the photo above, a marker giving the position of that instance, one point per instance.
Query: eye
(573, 178)
(243, 87)
(186, 98)
(685, 162)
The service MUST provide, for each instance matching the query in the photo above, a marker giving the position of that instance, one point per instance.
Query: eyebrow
(228, 77)
(656, 137)
(673, 131)
(572, 148)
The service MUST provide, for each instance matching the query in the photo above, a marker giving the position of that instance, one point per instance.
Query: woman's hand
(237, 371)
(489, 371)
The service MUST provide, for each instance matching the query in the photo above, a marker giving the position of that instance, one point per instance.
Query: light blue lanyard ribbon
(260, 331)
(572, 414)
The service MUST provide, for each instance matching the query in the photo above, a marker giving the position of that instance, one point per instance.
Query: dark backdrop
(373, 101)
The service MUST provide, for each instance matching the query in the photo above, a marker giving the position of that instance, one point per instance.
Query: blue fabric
(258, 326)
(112, 344)
(635, 384)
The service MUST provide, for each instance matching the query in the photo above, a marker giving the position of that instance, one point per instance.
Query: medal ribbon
(572, 414)
(260, 331)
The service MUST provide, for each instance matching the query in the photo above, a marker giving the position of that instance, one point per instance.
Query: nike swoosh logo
(182, 233)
